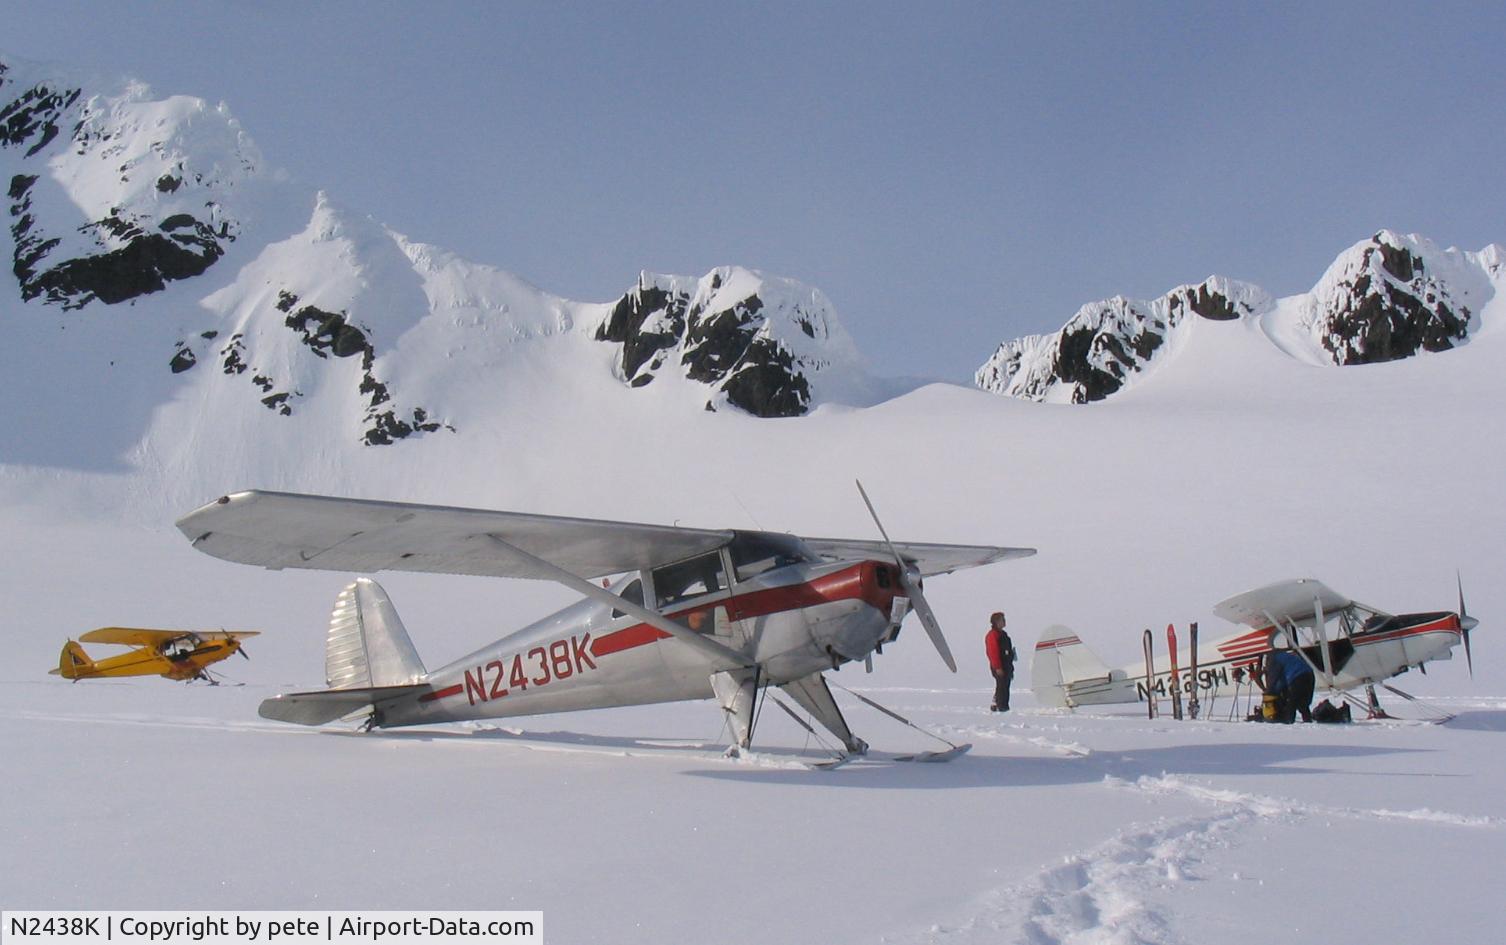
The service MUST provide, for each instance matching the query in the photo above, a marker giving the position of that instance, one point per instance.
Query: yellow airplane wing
(140, 636)
(130, 636)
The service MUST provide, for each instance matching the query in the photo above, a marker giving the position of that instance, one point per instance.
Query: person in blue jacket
(1291, 680)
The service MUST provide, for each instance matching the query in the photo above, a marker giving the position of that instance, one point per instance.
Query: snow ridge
(1106, 345)
(255, 297)
(1383, 299)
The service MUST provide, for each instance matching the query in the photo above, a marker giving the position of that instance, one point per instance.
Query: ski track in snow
(1106, 895)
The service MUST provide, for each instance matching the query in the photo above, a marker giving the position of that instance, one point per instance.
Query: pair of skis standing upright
(1152, 709)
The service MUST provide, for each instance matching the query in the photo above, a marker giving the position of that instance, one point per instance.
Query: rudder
(72, 661)
(367, 645)
(1064, 672)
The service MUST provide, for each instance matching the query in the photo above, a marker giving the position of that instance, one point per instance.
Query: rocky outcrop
(134, 246)
(1385, 298)
(755, 341)
(115, 196)
(1107, 343)
(326, 335)
(1380, 301)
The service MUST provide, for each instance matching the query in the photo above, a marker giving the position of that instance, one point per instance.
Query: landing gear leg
(1372, 705)
(737, 692)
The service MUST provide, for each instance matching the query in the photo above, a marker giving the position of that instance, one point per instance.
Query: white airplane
(1347, 644)
(692, 613)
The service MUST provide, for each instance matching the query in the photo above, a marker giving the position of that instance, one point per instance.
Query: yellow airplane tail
(72, 661)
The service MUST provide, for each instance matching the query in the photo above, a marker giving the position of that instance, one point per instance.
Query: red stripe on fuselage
(1449, 624)
(626, 639)
(440, 693)
(846, 584)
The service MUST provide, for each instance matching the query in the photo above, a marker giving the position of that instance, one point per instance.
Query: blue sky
(950, 174)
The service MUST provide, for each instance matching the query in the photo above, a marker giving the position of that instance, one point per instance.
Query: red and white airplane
(691, 613)
(1347, 644)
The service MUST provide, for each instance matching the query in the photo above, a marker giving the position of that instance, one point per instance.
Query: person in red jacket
(1000, 660)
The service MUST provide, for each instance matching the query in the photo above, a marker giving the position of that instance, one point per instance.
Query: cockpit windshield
(756, 552)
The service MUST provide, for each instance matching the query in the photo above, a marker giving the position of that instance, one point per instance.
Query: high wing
(131, 636)
(929, 558)
(281, 530)
(1285, 600)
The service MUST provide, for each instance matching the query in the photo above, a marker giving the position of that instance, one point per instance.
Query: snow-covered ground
(626, 826)
(1236, 467)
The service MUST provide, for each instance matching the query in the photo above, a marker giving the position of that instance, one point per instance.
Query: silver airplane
(692, 613)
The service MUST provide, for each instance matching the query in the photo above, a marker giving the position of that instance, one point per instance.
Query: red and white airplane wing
(1291, 601)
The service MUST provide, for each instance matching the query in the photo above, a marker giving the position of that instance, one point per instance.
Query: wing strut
(1320, 625)
(723, 657)
(1290, 632)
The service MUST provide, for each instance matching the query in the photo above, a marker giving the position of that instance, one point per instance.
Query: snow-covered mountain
(150, 238)
(1383, 299)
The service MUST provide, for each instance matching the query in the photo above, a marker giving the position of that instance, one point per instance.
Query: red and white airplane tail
(1065, 672)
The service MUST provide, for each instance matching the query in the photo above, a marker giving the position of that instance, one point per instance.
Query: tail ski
(1064, 672)
(368, 659)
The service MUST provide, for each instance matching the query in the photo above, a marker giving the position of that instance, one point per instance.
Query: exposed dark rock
(386, 429)
(768, 384)
(1212, 305)
(144, 265)
(34, 116)
(279, 403)
(722, 348)
(625, 326)
(332, 333)
(1398, 261)
(183, 359)
(329, 332)
(31, 248)
(1390, 311)
(231, 361)
(716, 343)
(145, 255)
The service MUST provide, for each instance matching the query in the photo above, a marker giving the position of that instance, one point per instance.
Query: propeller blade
(929, 621)
(1466, 624)
(242, 651)
(911, 584)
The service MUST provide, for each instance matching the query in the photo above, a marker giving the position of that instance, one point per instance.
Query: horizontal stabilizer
(316, 708)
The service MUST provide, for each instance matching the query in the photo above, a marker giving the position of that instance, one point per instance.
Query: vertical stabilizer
(367, 644)
(73, 661)
(1065, 673)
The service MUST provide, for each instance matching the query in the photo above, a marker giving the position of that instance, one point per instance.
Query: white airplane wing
(281, 530)
(929, 558)
(1284, 600)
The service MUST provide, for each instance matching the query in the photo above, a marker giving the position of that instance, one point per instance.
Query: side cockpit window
(690, 578)
(753, 553)
(632, 593)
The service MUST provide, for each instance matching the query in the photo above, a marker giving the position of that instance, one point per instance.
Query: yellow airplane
(174, 654)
